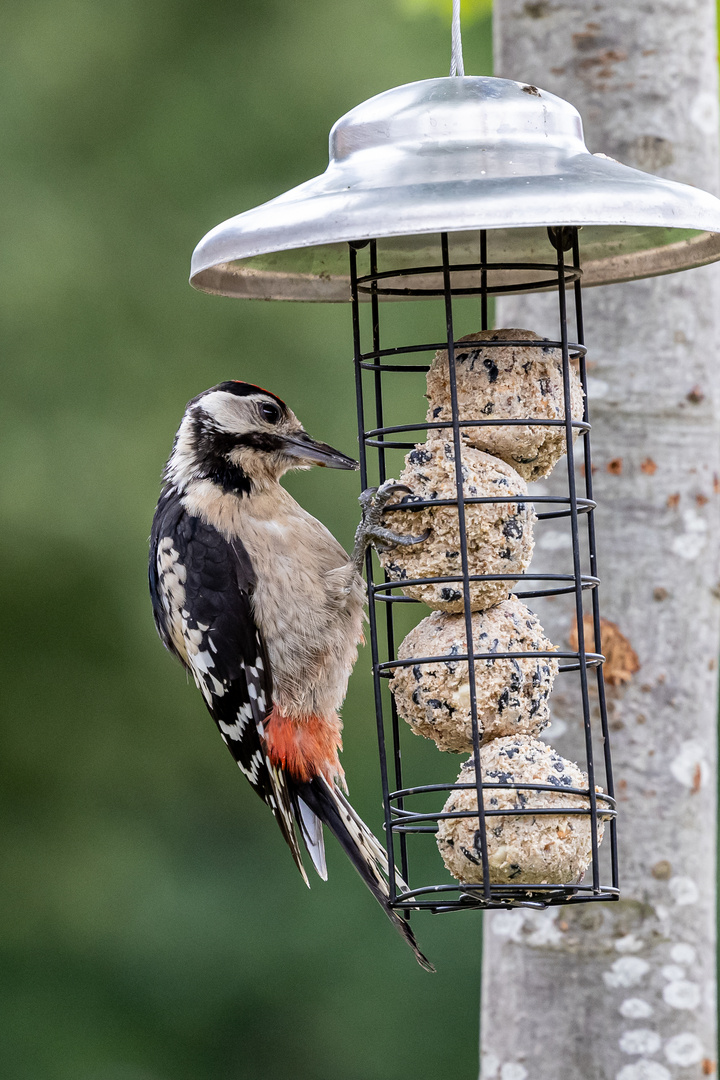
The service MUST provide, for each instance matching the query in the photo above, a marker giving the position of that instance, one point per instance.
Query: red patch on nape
(251, 387)
(305, 746)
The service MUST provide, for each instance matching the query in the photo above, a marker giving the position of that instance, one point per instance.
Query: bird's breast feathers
(307, 598)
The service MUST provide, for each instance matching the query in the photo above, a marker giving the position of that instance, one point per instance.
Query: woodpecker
(264, 608)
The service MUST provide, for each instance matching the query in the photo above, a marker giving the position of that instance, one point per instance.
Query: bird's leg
(370, 530)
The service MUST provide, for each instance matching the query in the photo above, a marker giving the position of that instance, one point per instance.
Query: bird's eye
(269, 412)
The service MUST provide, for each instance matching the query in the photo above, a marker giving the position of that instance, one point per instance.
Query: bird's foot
(370, 530)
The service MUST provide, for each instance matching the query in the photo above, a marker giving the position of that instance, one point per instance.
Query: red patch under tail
(305, 746)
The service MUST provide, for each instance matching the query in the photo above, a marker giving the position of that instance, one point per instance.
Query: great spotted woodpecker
(264, 608)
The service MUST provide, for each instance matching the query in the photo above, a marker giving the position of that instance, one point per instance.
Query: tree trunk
(626, 991)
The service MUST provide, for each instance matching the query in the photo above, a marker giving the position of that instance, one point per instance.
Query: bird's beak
(307, 450)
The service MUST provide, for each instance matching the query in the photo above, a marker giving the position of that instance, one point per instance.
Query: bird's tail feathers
(369, 839)
(283, 805)
(311, 831)
(328, 804)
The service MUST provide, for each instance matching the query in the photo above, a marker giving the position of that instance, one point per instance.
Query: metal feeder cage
(452, 188)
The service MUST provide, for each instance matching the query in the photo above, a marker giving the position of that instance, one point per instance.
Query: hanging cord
(456, 63)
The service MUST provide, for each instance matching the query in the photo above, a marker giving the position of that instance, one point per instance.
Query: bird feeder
(438, 191)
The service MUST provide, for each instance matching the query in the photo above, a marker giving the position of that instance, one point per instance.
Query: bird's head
(242, 437)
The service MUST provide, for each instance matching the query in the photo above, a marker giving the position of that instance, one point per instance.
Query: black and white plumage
(200, 585)
(264, 608)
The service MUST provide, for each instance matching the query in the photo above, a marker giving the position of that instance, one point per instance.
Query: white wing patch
(171, 584)
(191, 639)
(254, 676)
(235, 731)
(256, 763)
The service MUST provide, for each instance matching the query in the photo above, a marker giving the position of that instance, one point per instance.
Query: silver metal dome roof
(457, 155)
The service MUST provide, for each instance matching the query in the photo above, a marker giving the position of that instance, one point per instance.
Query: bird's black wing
(201, 587)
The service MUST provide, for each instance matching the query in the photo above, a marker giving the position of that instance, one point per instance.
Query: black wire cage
(375, 366)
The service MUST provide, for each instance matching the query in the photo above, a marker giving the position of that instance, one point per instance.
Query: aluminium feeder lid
(457, 155)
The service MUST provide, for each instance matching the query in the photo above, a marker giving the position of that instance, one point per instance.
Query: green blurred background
(153, 926)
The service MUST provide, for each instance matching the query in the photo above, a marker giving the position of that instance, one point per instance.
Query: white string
(456, 63)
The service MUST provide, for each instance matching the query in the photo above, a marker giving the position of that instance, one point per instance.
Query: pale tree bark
(626, 991)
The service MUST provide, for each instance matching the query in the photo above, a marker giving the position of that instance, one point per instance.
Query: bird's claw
(370, 531)
(379, 497)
